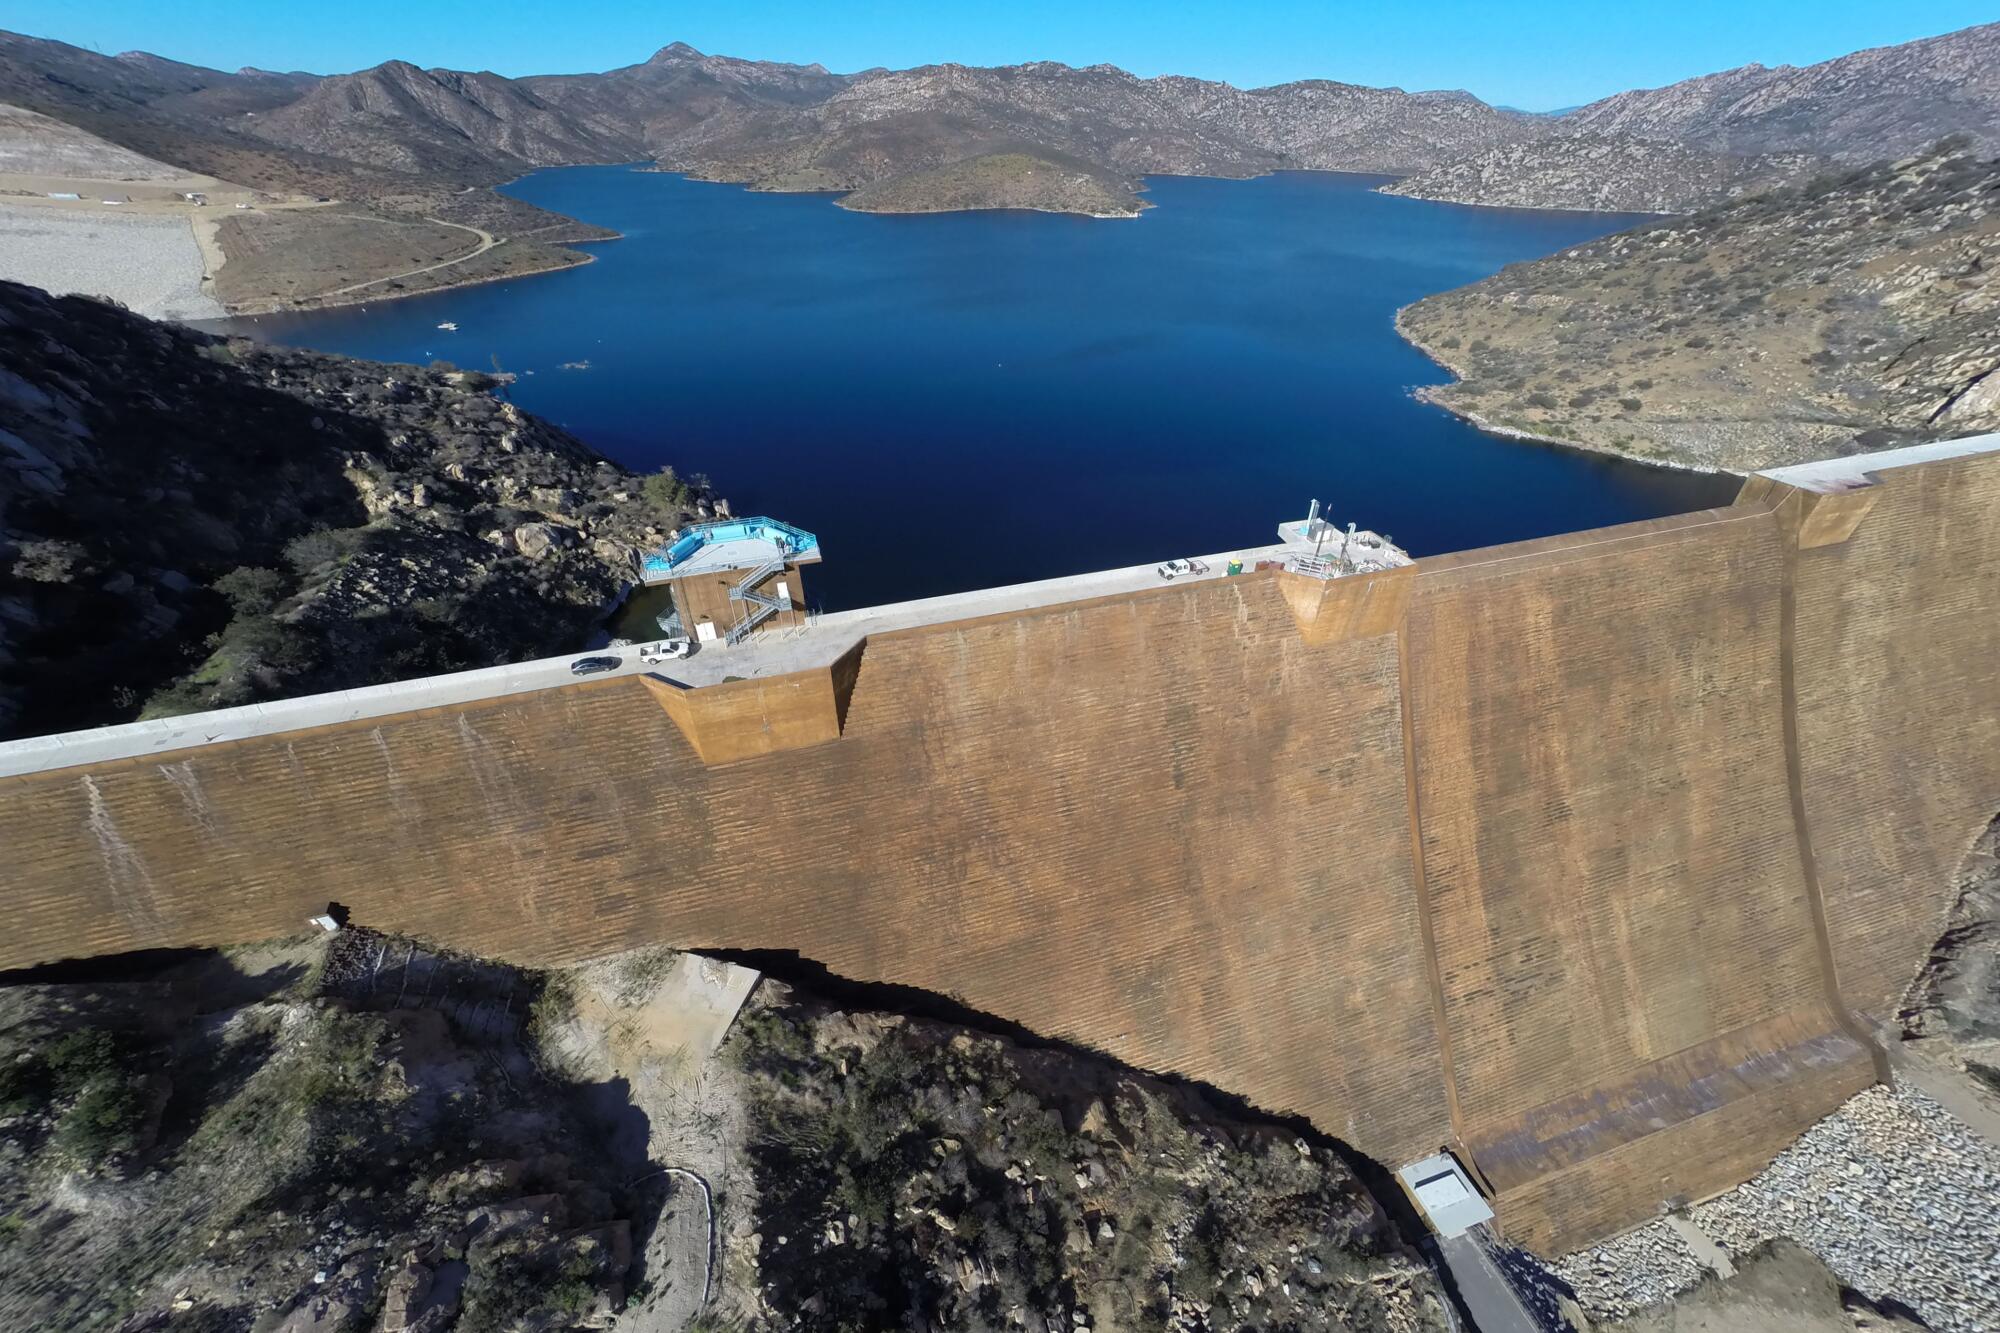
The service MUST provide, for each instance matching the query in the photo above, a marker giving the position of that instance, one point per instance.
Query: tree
(666, 491)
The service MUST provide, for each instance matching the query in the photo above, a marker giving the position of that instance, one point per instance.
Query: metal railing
(790, 541)
(746, 587)
(1313, 566)
(766, 608)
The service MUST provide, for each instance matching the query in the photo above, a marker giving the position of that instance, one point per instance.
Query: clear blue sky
(1533, 55)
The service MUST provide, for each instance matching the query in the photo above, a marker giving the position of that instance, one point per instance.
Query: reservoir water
(960, 400)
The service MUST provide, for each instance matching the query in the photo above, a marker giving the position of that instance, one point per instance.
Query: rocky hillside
(361, 1133)
(440, 124)
(1884, 102)
(679, 88)
(1604, 173)
(245, 1142)
(887, 125)
(1956, 1001)
(1699, 142)
(188, 117)
(192, 522)
(775, 126)
(1002, 180)
(921, 1177)
(952, 136)
(1855, 310)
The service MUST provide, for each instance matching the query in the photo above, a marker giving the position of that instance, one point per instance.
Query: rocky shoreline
(1434, 395)
(1849, 313)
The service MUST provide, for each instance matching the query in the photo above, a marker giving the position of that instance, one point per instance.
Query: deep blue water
(961, 400)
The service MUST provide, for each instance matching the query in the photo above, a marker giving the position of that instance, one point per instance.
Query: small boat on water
(448, 325)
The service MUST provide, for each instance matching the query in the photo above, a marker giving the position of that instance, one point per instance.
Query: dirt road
(486, 242)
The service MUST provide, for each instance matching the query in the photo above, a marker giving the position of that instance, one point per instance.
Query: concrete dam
(1596, 859)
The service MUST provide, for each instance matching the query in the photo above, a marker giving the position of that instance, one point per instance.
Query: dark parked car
(590, 666)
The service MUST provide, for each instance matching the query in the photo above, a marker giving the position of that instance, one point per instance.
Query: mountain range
(425, 144)
(783, 126)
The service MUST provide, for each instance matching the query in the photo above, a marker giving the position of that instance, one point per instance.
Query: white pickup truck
(654, 653)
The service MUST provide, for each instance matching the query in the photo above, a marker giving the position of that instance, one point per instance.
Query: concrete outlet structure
(1589, 860)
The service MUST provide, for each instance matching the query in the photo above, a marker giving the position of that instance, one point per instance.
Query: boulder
(333, 1304)
(403, 1302)
(538, 540)
(616, 554)
(1978, 407)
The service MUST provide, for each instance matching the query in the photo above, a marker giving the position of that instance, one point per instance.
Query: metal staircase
(763, 604)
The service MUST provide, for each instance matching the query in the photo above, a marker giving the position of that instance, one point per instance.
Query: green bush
(323, 546)
(253, 591)
(76, 1059)
(90, 1073)
(103, 1121)
(665, 491)
(24, 1086)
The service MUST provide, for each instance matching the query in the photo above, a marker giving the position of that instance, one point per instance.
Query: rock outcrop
(1604, 173)
(911, 1174)
(188, 521)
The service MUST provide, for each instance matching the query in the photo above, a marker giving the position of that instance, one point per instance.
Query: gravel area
(1638, 1269)
(148, 262)
(1896, 1196)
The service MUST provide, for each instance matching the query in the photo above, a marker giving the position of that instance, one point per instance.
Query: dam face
(1593, 858)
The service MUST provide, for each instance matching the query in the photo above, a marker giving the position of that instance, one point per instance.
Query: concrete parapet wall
(1580, 856)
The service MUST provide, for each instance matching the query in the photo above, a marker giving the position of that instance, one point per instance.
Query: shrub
(24, 1085)
(322, 546)
(76, 1059)
(665, 491)
(103, 1121)
(252, 591)
(90, 1069)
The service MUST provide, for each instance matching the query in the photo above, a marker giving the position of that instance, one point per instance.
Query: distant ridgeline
(1593, 858)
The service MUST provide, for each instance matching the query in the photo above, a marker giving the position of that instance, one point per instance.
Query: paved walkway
(1489, 1298)
(767, 654)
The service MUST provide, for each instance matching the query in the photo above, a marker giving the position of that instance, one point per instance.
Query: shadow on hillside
(788, 966)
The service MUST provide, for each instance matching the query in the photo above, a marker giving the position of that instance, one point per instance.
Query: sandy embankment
(149, 262)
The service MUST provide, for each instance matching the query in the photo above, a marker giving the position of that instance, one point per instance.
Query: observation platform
(730, 544)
